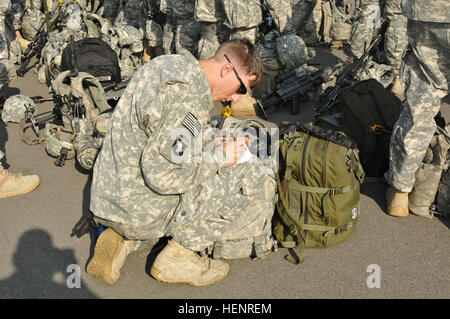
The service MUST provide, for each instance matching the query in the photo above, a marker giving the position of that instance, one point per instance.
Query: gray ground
(37, 252)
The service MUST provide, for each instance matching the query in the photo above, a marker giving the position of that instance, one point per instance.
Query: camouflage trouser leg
(186, 38)
(235, 206)
(168, 38)
(425, 74)
(110, 8)
(283, 15)
(395, 39)
(363, 28)
(7, 72)
(240, 33)
(209, 42)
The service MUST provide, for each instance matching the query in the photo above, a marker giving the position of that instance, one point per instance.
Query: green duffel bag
(319, 189)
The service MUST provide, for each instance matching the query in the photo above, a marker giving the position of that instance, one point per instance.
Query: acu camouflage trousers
(425, 75)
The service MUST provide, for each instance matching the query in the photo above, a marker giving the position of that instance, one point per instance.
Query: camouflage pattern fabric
(231, 213)
(381, 72)
(138, 174)
(242, 14)
(443, 195)
(425, 75)
(109, 8)
(212, 30)
(242, 18)
(283, 15)
(208, 40)
(186, 37)
(168, 29)
(134, 13)
(307, 25)
(5, 66)
(153, 33)
(423, 10)
(428, 176)
(9, 47)
(10, 52)
(235, 204)
(16, 12)
(341, 20)
(364, 26)
(395, 36)
(5, 6)
(209, 11)
(187, 29)
(56, 139)
(31, 21)
(16, 107)
(395, 39)
(168, 40)
(292, 51)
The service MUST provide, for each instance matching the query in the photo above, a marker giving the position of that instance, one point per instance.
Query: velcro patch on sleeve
(192, 124)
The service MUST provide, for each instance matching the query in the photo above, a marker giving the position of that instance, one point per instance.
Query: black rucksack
(366, 112)
(94, 56)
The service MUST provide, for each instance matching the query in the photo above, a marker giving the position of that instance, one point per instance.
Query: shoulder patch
(192, 124)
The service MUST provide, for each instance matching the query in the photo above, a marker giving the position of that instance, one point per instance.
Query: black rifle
(37, 43)
(292, 86)
(40, 119)
(329, 96)
(36, 99)
(335, 44)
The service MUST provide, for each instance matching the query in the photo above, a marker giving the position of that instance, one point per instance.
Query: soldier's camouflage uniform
(395, 39)
(211, 17)
(10, 51)
(221, 20)
(243, 18)
(187, 28)
(425, 75)
(138, 182)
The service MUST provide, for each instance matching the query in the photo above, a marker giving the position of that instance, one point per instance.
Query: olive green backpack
(319, 189)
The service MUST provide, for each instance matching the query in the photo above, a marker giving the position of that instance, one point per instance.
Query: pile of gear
(86, 52)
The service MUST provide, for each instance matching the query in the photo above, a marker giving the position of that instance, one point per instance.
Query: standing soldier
(395, 36)
(425, 75)
(395, 40)
(10, 184)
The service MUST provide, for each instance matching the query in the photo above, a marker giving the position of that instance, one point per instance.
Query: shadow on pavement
(43, 271)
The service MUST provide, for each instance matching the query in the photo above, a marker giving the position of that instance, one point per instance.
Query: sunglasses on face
(242, 89)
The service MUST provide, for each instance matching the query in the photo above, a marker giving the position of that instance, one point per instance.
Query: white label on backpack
(354, 213)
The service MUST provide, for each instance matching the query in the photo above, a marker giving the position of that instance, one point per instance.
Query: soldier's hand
(234, 149)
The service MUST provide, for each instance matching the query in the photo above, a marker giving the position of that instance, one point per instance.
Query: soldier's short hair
(242, 54)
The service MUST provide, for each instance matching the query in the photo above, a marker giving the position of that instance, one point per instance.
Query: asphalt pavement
(386, 257)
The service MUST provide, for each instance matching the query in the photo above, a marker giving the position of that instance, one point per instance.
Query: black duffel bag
(94, 56)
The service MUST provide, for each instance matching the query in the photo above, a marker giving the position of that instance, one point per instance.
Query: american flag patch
(192, 124)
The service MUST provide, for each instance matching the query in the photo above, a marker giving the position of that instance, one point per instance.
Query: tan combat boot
(23, 43)
(397, 87)
(176, 264)
(397, 202)
(110, 252)
(16, 184)
(147, 54)
(49, 5)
